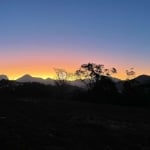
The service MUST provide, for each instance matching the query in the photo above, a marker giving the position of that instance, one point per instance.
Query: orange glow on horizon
(42, 65)
(46, 72)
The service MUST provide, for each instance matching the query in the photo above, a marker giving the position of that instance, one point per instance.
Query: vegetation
(34, 116)
(92, 73)
(100, 88)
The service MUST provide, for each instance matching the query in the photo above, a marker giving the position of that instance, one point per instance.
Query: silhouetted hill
(143, 79)
(3, 77)
(106, 90)
(29, 78)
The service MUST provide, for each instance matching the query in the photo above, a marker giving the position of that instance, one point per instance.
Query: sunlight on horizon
(53, 75)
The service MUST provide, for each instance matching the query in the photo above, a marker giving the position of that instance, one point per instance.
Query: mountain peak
(29, 78)
(26, 76)
(143, 78)
(3, 77)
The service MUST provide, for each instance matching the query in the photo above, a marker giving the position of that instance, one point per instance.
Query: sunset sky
(39, 35)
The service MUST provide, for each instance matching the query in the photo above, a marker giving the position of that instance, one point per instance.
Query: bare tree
(61, 76)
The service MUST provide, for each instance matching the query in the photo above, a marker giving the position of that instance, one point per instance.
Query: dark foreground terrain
(66, 125)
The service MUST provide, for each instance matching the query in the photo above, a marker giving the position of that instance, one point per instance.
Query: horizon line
(55, 77)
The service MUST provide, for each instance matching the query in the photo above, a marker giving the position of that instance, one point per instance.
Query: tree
(130, 73)
(61, 76)
(92, 73)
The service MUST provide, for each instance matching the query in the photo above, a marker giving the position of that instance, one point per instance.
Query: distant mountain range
(142, 79)
(29, 78)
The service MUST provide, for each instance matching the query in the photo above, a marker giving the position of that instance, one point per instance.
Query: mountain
(115, 80)
(78, 83)
(3, 77)
(140, 80)
(143, 79)
(29, 78)
(83, 84)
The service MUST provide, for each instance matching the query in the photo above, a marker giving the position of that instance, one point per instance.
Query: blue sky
(113, 32)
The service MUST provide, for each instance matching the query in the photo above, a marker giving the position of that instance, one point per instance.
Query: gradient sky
(39, 35)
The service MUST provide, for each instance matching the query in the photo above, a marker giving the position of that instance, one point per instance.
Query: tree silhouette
(61, 76)
(92, 73)
(130, 73)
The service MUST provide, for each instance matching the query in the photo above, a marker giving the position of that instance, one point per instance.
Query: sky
(37, 36)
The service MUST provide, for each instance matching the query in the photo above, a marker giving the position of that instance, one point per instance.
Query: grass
(68, 125)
